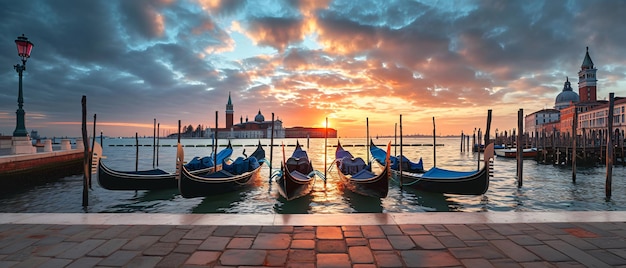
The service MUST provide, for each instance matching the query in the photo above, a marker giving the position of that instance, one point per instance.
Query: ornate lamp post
(23, 50)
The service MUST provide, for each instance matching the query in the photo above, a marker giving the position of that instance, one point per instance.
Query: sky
(303, 60)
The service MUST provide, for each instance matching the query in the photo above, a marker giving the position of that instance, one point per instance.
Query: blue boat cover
(407, 165)
(241, 165)
(207, 161)
(447, 174)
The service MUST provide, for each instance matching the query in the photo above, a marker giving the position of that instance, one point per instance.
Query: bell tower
(229, 113)
(587, 80)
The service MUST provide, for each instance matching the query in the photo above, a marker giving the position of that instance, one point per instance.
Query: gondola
(512, 153)
(448, 181)
(297, 174)
(153, 179)
(407, 165)
(357, 176)
(229, 176)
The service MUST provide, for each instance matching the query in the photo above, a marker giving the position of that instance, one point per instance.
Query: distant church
(257, 129)
(262, 129)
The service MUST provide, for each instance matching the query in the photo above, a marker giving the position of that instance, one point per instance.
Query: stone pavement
(439, 239)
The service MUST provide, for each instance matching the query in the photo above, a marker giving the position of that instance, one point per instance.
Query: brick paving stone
(516, 252)
(50, 239)
(352, 234)
(451, 241)
(524, 240)
(391, 229)
(84, 235)
(4, 263)
(54, 250)
(53, 263)
(486, 252)
(401, 242)
(547, 228)
(302, 244)
(356, 242)
(621, 252)
(333, 260)
(328, 232)
(549, 254)
(140, 242)
(159, 230)
(144, 261)
(214, 243)
(242, 257)
(159, 249)
(229, 231)
(476, 263)
(608, 257)
(248, 231)
(33, 262)
(203, 258)
(119, 258)
(361, 254)
(300, 255)
(240, 242)
(108, 247)
(539, 235)
(111, 232)
(189, 242)
(427, 242)
(364, 265)
(276, 258)
(463, 232)
(277, 229)
(577, 242)
(490, 234)
(372, 231)
(84, 262)
(593, 229)
(380, 244)
(17, 246)
(304, 235)
(607, 242)
(576, 254)
(506, 229)
(173, 260)
(387, 259)
(81, 249)
(199, 232)
(185, 248)
(133, 231)
(271, 241)
(413, 229)
(300, 265)
(173, 236)
(331, 246)
(428, 258)
(435, 228)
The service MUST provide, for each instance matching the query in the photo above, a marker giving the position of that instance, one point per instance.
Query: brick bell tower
(229, 113)
(587, 80)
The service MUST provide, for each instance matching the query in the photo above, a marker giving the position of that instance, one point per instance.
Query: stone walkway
(595, 239)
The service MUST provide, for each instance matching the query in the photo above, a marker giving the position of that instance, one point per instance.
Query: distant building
(309, 132)
(537, 121)
(592, 113)
(262, 129)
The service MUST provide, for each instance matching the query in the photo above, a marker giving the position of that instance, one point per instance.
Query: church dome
(260, 118)
(566, 97)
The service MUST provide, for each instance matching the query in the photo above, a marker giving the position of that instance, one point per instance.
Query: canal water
(545, 187)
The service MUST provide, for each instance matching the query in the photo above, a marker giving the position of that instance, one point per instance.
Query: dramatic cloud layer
(302, 60)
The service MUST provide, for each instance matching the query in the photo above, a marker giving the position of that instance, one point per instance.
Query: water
(545, 187)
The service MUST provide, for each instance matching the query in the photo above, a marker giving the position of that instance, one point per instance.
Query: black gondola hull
(142, 180)
(191, 186)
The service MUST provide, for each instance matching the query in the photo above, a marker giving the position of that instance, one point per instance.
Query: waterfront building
(310, 132)
(592, 113)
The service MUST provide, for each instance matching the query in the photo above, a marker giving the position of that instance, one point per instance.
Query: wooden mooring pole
(400, 160)
(154, 143)
(520, 129)
(326, 150)
(609, 148)
(86, 169)
(574, 144)
(158, 143)
(136, 151)
(215, 148)
(434, 144)
(271, 147)
(367, 138)
(488, 128)
(462, 139)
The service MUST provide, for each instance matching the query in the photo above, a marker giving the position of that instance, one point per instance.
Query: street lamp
(23, 50)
